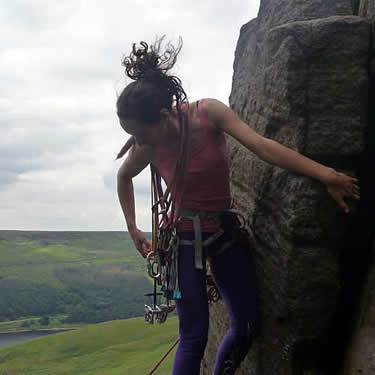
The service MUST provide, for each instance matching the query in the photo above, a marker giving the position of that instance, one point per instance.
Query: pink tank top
(207, 180)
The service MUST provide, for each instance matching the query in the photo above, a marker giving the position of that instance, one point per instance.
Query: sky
(60, 74)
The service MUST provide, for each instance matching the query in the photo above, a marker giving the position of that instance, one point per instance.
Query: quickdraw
(160, 267)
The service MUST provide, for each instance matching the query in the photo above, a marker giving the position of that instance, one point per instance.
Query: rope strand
(163, 358)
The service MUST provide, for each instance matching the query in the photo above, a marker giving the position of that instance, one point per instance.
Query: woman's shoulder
(207, 110)
(210, 105)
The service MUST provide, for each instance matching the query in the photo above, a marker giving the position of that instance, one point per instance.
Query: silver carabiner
(151, 262)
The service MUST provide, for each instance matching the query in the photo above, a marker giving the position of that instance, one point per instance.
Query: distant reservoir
(13, 337)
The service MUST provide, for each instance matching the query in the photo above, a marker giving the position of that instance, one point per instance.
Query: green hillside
(120, 347)
(88, 276)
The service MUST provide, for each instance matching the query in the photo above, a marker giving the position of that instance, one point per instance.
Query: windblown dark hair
(153, 87)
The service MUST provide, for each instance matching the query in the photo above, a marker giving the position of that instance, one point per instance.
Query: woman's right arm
(138, 158)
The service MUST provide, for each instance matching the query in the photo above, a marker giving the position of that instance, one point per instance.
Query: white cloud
(60, 71)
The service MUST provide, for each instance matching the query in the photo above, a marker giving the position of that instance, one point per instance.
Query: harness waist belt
(196, 217)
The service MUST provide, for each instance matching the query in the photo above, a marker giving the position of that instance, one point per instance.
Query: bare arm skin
(338, 184)
(138, 158)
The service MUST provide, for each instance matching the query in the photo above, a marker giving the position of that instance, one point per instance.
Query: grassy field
(34, 256)
(120, 347)
(86, 275)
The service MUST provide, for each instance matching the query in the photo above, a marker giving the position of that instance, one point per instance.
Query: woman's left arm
(339, 185)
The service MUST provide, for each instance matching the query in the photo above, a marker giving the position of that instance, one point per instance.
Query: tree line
(89, 295)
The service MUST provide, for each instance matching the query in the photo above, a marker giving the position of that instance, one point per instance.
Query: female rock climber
(149, 109)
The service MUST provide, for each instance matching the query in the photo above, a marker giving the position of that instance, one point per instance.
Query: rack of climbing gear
(154, 309)
(162, 263)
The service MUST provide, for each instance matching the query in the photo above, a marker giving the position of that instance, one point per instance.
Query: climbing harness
(231, 220)
(162, 265)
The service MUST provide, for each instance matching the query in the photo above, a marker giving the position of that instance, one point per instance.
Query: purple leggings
(234, 275)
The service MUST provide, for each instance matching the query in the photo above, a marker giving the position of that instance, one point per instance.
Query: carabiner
(151, 266)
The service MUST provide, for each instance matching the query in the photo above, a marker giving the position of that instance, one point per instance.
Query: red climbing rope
(164, 356)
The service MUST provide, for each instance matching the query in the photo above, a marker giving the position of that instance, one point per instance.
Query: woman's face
(145, 134)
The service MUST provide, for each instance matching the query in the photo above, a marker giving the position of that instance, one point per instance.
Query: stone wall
(301, 78)
(367, 9)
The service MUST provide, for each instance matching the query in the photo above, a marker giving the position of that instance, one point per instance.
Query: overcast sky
(60, 72)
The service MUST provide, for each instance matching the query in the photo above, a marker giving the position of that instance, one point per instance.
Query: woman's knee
(193, 316)
(193, 345)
